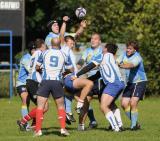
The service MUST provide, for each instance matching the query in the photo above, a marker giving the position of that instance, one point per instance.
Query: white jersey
(53, 61)
(71, 59)
(33, 74)
(109, 69)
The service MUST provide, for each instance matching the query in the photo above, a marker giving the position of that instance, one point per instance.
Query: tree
(116, 20)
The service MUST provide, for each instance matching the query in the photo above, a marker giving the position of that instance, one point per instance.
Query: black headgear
(50, 23)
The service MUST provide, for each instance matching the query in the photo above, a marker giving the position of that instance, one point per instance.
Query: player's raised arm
(86, 69)
(81, 28)
(63, 28)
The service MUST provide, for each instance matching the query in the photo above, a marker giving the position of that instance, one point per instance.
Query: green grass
(149, 119)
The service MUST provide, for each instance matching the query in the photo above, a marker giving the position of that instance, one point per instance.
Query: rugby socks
(91, 114)
(68, 104)
(24, 110)
(117, 115)
(31, 114)
(62, 118)
(134, 118)
(81, 127)
(39, 119)
(80, 103)
(110, 117)
(128, 112)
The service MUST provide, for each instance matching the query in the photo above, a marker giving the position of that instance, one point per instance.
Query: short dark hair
(134, 44)
(96, 33)
(31, 46)
(66, 38)
(111, 48)
(39, 42)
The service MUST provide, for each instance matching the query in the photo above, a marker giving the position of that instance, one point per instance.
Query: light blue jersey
(89, 55)
(24, 70)
(53, 61)
(33, 74)
(136, 74)
(50, 36)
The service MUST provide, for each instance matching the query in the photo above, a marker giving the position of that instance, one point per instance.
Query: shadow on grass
(55, 130)
(58, 128)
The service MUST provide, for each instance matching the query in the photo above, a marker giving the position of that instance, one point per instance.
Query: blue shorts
(68, 83)
(135, 90)
(113, 89)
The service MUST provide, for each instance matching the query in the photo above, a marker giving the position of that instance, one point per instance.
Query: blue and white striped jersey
(109, 70)
(71, 59)
(33, 74)
(53, 61)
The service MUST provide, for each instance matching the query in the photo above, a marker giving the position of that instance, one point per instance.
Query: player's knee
(90, 84)
(133, 104)
(104, 107)
(124, 104)
(46, 108)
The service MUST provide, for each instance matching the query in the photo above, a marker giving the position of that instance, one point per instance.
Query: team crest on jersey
(89, 57)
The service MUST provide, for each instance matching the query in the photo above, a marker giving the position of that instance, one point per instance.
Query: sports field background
(149, 118)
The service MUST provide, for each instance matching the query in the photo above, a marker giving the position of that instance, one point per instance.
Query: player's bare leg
(106, 101)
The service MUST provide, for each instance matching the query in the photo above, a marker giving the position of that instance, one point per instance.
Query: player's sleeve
(84, 55)
(136, 61)
(40, 60)
(86, 69)
(98, 59)
(119, 59)
(83, 58)
(48, 41)
(26, 63)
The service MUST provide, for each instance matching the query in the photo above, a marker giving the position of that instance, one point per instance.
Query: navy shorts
(32, 87)
(113, 89)
(135, 90)
(21, 89)
(68, 83)
(48, 87)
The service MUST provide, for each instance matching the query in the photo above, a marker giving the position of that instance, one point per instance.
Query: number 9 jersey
(53, 62)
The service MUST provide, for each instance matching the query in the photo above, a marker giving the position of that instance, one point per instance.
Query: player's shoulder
(52, 35)
(108, 54)
(89, 49)
(26, 56)
(38, 52)
(137, 55)
(65, 49)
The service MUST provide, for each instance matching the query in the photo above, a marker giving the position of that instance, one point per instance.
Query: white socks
(81, 127)
(80, 103)
(111, 118)
(117, 116)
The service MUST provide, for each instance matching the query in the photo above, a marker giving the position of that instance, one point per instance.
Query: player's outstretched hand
(65, 18)
(83, 23)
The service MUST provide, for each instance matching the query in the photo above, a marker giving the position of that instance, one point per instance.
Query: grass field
(149, 119)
